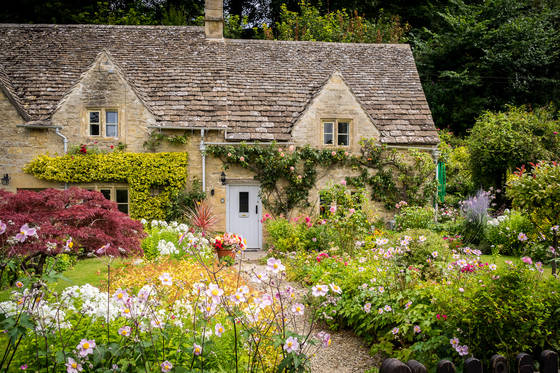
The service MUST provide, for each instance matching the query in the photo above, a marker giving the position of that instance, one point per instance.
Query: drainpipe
(65, 142)
(203, 155)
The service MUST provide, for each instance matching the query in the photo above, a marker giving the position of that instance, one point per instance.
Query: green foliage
(146, 175)
(409, 217)
(337, 26)
(502, 234)
(182, 201)
(156, 138)
(487, 54)
(503, 141)
(537, 193)
(395, 176)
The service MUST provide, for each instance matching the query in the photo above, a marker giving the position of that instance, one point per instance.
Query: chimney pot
(214, 19)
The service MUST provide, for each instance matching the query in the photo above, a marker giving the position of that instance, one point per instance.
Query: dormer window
(103, 122)
(336, 132)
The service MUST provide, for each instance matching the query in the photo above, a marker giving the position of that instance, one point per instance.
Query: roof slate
(255, 89)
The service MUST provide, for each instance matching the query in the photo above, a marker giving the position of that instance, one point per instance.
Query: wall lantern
(6, 179)
(223, 178)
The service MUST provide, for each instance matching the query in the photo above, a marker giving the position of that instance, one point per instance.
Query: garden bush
(508, 234)
(409, 217)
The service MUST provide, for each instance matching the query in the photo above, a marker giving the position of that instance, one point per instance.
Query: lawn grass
(87, 271)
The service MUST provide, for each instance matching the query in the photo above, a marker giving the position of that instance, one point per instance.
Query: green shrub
(502, 233)
(284, 236)
(503, 141)
(424, 245)
(410, 217)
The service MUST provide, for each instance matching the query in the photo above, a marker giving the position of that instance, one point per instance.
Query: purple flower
(25, 232)
(166, 366)
(72, 366)
(527, 260)
(522, 237)
(2, 227)
(86, 347)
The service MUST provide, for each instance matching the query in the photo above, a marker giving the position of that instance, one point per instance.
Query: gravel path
(347, 352)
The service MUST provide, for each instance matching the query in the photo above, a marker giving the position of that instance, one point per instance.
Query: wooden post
(524, 363)
(445, 366)
(498, 364)
(472, 365)
(394, 366)
(416, 367)
(549, 362)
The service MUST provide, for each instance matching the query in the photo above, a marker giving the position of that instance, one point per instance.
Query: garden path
(347, 353)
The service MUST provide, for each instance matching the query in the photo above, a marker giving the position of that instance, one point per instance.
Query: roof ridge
(87, 25)
(8, 89)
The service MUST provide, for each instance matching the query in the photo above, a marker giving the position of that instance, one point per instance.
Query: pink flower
(72, 366)
(219, 329)
(274, 265)
(298, 309)
(343, 182)
(291, 344)
(282, 155)
(325, 338)
(351, 211)
(292, 168)
(367, 307)
(527, 260)
(166, 279)
(25, 232)
(229, 154)
(85, 347)
(319, 290)
(197, 349)
(23, 367)
(417, 329)
(522, 237)
(291, 148)
(166, 366)
(242, 159)
(395, 331)
(2, 227)
(332, 209)
(124, 331)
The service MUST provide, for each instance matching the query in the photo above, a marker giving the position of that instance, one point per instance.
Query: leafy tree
(337, 26)
(538, 194)
(85, 217)
(488, 54)
(505, 140)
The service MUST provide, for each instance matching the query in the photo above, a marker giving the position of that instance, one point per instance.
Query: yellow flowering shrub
(144, 173)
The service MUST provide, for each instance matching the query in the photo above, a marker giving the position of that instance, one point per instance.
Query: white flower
(298, 309)
(219, 330)
(335, 288)
(367, 307)
(166, 279)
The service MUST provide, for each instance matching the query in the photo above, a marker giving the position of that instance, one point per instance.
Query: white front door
(244, 213)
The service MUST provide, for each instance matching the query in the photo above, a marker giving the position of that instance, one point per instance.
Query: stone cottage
(64, 85)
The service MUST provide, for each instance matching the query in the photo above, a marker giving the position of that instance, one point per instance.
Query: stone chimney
(214, 19)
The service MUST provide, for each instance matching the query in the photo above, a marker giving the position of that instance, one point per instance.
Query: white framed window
(103, 122)
(336, 132)
(117, 193)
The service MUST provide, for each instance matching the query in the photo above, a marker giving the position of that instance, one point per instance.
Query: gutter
(65, 144)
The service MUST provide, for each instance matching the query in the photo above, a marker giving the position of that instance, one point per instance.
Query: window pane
(343, 140)
(106, 193)
(111, 130)
(94, 129)
(123, 208)
(94, 117)
(343, 128)
(112, 117)
(122, 196)
(328, 133)
(243, 201)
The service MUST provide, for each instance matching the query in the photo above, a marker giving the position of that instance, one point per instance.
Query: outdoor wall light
(6, 179)
(223, 178)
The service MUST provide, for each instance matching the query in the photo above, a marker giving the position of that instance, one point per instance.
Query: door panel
(244, 213)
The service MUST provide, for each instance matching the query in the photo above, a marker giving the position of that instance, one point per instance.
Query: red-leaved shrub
(90, 220)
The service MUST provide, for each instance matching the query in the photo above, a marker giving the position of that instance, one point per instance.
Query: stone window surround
(102, 122)
(335, 131)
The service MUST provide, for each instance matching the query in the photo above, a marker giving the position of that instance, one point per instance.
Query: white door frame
(259, 204)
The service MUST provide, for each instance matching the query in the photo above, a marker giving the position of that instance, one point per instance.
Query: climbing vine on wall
(152, 178)
(288, 174)
(156, 138)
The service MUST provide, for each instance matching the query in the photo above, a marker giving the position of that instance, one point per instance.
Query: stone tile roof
(254, 89)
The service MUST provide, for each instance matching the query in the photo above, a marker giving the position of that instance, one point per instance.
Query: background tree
(503, 141)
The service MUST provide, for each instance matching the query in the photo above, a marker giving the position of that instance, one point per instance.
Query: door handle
(256, 209)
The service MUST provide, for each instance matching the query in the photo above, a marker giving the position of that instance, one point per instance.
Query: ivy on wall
(288, 174)
(152, 178)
